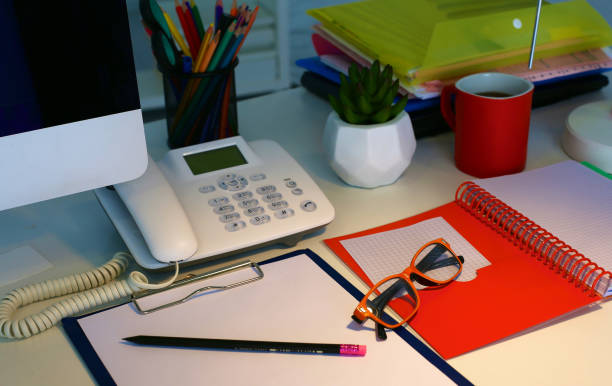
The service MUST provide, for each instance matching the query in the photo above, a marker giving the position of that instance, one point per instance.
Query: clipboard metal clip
(191, 278)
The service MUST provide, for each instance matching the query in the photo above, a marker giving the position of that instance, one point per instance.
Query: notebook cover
(514, 293)
(103, 377)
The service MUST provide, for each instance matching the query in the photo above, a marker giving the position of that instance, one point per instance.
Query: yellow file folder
(438, 39)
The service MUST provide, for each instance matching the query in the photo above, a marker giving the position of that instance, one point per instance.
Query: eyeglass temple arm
(430, 261)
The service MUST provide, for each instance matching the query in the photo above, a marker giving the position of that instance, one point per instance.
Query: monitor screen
(68, 63)
(69, 104)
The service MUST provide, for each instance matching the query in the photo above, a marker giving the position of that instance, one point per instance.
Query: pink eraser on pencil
(352, 349)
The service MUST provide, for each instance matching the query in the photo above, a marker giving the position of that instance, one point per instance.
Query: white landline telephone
(198, 202)
(214, 199)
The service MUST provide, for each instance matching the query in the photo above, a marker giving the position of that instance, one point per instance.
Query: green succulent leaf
(366, 95)
(382, 115)
(336, 105)
(369, 83)
(388, 72)
(375, 69)
(346, 99)
(353, 117)
(364, 105)
(344, 83)
(398, 107)
(354, 74)
(390, 95)
(381, 92)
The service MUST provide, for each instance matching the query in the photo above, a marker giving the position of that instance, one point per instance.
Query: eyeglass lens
(437, 263)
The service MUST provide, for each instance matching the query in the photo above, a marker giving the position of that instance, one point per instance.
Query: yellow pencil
(176, 34)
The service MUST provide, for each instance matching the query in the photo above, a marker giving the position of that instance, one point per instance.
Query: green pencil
(198, 19)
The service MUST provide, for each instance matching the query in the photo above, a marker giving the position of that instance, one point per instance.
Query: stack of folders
(432, 43)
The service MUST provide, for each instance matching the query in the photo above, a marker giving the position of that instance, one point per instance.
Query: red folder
(520, 289)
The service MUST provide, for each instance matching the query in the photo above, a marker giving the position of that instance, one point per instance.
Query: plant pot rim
(399, 116)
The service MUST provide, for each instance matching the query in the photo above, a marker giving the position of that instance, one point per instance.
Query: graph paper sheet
(387, 253)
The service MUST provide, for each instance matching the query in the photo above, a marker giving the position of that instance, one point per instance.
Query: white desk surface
(74, 234)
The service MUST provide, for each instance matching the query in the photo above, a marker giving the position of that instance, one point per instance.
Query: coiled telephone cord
(93, 288)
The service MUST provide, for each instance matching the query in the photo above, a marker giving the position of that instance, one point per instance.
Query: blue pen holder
(200, 107)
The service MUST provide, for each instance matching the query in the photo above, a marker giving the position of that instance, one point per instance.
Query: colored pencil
(203, 48)
(218, 14)
(198, 19)
(186, 30)
(252, 17)
(177, 35)
(203, 109)
(189, 20)
(193, 85)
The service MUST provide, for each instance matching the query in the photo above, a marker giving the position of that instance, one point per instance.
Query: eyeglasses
(434, 264)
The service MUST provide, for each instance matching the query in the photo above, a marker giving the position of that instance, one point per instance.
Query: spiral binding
(529, 236)
(92, 288)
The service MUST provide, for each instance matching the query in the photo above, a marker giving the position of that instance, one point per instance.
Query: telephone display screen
(212, 160)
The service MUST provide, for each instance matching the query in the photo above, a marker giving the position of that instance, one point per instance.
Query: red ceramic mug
(489, 113)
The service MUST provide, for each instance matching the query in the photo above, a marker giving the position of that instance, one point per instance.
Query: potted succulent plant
(369, 139)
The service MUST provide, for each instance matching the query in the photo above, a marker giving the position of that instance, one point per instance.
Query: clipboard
(330, 322)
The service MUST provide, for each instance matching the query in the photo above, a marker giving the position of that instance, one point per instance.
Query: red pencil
(193, 30)
(186, 30)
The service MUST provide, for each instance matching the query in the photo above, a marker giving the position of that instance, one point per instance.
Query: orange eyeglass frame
(363, 312)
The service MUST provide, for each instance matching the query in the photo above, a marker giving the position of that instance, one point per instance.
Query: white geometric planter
(369, 155)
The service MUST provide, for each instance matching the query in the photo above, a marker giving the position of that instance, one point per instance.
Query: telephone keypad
(232, 182)
(207, 189)
(308, 206)
(284, 213)
(235, 226)
(259, 220)
(217, 201)
(242, 195)
(272, 197)
(278, 205)
(229, 217)
(227, 176)
(223, 209)
(246, 204)
(266, 189)
(254, 211)
(249, 205)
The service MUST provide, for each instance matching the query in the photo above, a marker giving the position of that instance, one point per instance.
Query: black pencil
(250, 345)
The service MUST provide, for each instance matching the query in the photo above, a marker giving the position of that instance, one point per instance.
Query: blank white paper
(295, 301)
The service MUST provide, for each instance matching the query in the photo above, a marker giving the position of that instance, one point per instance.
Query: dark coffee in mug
(494, 94)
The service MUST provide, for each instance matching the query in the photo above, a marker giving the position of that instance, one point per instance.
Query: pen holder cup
(200, 107)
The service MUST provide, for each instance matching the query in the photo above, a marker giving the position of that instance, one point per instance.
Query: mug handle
(446, 104)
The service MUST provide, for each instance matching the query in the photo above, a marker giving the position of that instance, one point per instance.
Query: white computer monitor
(70, 117)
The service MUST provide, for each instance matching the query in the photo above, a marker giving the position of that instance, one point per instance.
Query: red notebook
(544, 233)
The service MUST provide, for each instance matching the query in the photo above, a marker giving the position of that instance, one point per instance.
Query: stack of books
(432, 43)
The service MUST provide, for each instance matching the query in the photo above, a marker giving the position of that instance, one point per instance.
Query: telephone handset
(214, 199)
(158, 215)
